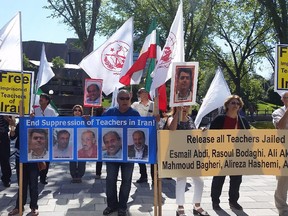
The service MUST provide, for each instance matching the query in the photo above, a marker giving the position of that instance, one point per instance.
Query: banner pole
(20, 180)
(21, 113)
(92, 111)
(20, 188)
(157, 182)
(159, 194)
(155, 190)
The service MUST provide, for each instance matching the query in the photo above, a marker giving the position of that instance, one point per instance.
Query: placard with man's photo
(138, 144)
(184, 84)
(63, 144)
(38, 144)
(93, 92)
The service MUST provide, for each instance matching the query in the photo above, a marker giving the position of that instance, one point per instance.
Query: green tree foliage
(26, 63)
(80, 15)
(273, 97)
(277, 11)
(197, 20)
(58, 62)
(241, 27)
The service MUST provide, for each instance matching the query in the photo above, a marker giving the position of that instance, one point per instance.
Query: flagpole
(21, 113)
(157, 180)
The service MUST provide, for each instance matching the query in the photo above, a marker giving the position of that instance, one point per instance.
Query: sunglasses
(124, 98)
(235, 103)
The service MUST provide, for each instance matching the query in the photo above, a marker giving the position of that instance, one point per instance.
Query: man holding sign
(280, 121)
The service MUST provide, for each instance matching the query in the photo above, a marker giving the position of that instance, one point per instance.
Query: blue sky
(35, 24)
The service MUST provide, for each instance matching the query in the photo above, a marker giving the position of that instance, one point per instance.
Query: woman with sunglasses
(180, 120)
(230, 120)
(77, 169)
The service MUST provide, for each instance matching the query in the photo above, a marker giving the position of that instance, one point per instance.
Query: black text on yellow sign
(222, 152)
(14, 86)
(282, 67)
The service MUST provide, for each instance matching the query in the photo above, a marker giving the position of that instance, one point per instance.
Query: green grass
(262, 106)
(263, 125)
(106, 103)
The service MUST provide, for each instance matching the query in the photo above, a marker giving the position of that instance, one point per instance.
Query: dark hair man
(183, 85)
(139, 150)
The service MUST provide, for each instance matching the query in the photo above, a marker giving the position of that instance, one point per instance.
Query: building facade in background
(66, 88)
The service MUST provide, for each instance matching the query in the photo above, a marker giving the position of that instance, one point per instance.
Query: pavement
(60, 197)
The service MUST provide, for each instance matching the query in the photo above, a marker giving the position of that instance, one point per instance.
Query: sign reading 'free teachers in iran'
(13, 87)
(222, 152)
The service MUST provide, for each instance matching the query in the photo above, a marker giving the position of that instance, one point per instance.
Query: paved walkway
(59, 197)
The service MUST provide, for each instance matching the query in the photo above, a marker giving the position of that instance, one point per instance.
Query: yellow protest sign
(281, 73)
(222, 152)
(12, 85)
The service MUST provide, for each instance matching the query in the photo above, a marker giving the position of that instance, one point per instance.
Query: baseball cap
(142, 90)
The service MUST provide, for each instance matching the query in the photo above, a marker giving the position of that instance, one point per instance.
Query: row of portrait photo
(87, 144)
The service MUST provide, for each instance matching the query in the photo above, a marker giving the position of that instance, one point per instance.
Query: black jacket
(218, 122)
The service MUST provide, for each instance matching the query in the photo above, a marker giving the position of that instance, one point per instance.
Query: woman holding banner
(77, 169)
(231, 120)
(180, 120)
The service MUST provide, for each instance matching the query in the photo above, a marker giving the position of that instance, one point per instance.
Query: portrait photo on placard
(112, 143)
(63, 143)
(38, 144)
(138, 146)
(93, 92)
(87, 143)
(183, 84)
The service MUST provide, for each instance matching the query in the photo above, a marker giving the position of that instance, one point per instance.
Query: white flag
(11, 45)
(108, 60)
(45, 73)
(215, 97)
(114, 102)
(173, 51)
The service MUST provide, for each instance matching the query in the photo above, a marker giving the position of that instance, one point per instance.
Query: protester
(98, 170)
(44, 111)
(77, 169)
(230, 120)
(30, 173)
(62, 149)
(113, 145)
(139, 149)
(280, 121)
(99, 112)
(113, 203)
(145, 107)
(180, 120)
(93, 94)
(183, 85)
(5, 150)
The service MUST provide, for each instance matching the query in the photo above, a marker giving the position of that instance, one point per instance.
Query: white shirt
(48, 112)
(139, 153)
(278, 114)
(142, 109)
(187, 97)
(32, 155)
